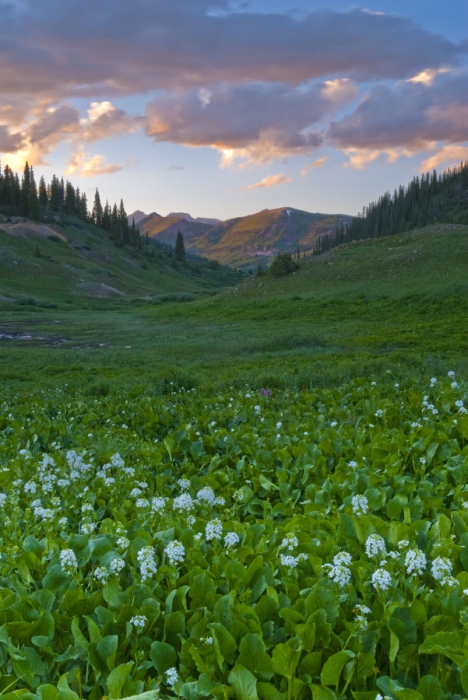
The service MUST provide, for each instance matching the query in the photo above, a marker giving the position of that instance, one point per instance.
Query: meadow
(257, 494)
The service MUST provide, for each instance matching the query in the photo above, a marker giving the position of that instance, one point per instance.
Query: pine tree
(179, 251)
(43, 196)
(33, 200)
(115, 226)
(25, 187)
(97, 210)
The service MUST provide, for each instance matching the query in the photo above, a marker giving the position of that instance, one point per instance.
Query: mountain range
(243, 241)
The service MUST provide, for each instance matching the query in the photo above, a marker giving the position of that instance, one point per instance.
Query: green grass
(379, 307)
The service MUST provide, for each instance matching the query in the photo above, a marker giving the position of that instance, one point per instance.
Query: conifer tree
(43, 196)
(25, 187)
(97, 209)
(179, 251)
(33, 200)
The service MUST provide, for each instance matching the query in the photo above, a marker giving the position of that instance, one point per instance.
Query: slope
(78, 261)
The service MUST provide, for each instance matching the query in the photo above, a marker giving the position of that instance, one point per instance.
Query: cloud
(9, 142)
(59, 49)
(269, 181)
(448, 156)
(319, 163)
(106, 121)
(248, 123)
(177, 167)
(83, 164)
(409, 115)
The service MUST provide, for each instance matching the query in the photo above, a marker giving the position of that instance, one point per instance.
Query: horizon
(327, 106)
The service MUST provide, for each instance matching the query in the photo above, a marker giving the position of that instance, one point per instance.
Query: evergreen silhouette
(179, 252)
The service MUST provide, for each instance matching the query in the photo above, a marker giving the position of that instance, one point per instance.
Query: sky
(222, 108)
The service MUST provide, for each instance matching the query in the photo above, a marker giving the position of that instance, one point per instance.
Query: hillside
(77, 261)
(248, 240)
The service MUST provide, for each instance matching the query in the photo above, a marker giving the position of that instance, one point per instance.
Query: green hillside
(164, 229)
(396, 304)
(77, 261)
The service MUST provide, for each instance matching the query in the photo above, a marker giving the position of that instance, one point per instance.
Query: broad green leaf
(333, 667)
(116, 680)
(244, 682)
(163, 656)
(446, 643)
(285, 660)
(431, 688)
(253, 655)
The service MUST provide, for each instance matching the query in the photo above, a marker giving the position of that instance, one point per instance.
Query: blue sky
(222, 109)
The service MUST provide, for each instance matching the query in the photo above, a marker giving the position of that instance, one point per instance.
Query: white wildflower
(441, 567)
(360, 504)
(68, 560)
(139, 621)
(415, 562)
(175, 552)
(171, 677)
(214, 530)
(117, 565)
(101, 574)
(147, 563)
(381, 580)
(231, 540)
(375, 546)
(206, 495)
(184, 502)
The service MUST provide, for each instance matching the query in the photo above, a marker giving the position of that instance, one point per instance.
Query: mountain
(137, 215)
(246, 240)
(199, 219)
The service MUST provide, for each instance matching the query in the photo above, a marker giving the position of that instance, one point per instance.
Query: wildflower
(158, 504)
(142, 503)
(454, 385)
(63, 483)
(175, 552)
(101, 574)
(361, 619)
(333, 424)
(207, 495)
(339, 574)
(379, 413)
(184, 484)
(3, 499)
(231, 540)
(342, 559)
(433, 381)
(291, 562)
(171, 677)
(441, 567)
(381, 580)
(68, 560)
(451, 373)
(147, 564)
(123, 543)
(184, 502)
(63, 522)
(87, 508)
(88, 528)
(139, 621)
(289, 542)
(360, 505)
(214, 530)
(134, 493)
(375, 546)
(117, 565)
(352, 464)
(279, 424)
(415, 562)
(30, 487)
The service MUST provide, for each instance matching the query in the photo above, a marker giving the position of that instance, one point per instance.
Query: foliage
(282, 265)
(238, 545)
(179, 250)
(426, 200)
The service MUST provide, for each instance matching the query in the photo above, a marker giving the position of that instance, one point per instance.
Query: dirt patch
(24, 228)
(98, 289)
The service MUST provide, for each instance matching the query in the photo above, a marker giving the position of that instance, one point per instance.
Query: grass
(379, 307)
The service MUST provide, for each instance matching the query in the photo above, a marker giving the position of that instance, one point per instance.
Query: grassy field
(398, 304)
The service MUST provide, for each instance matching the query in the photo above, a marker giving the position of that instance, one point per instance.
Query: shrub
(283, 264)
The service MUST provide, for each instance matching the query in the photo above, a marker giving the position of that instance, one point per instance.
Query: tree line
(23, 197)
(428, 199)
